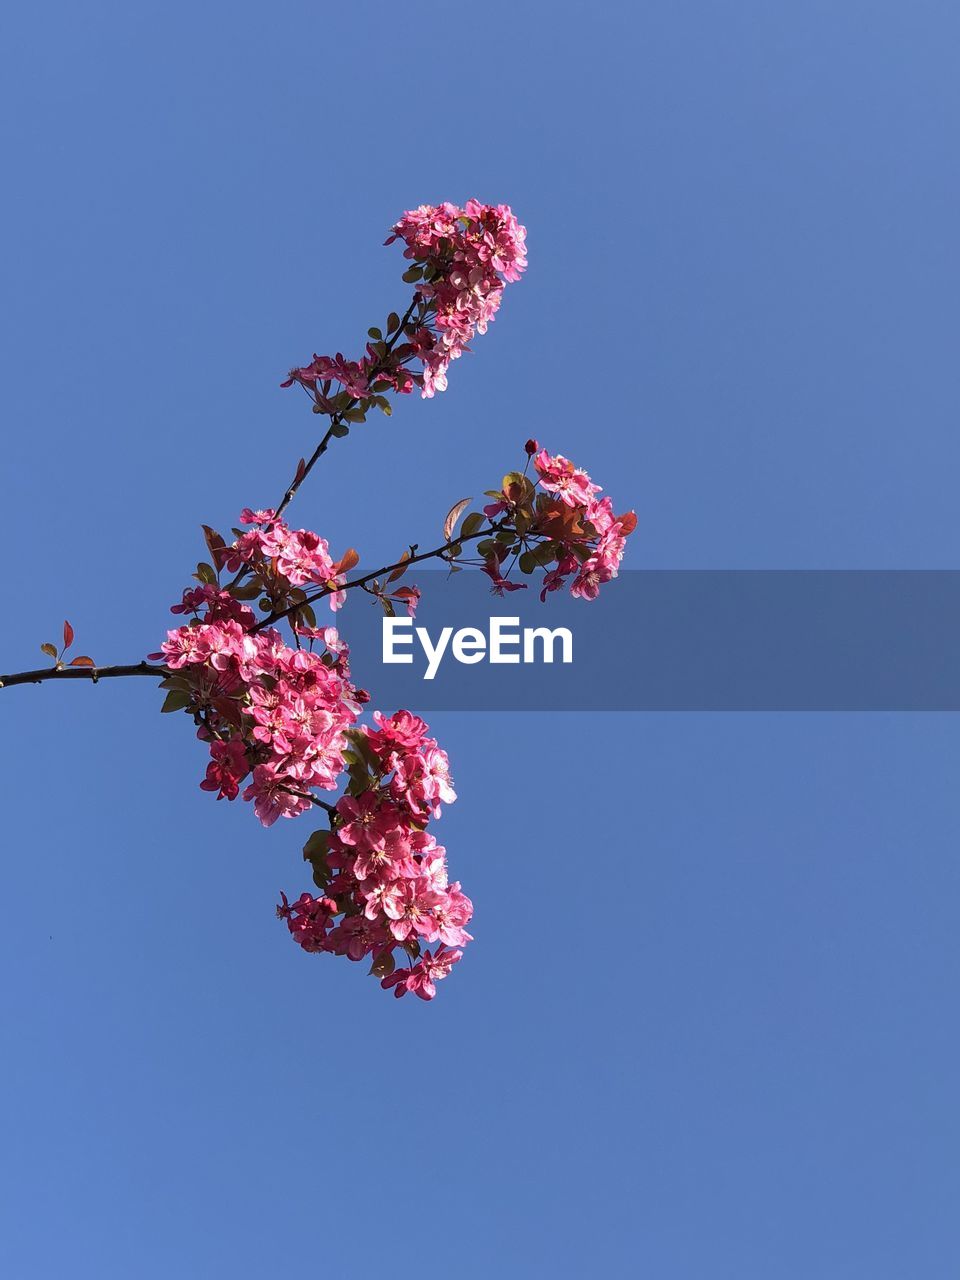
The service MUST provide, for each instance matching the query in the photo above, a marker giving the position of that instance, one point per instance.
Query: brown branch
(308, 795)
(338, 417)
(376, 573)
(82, 673)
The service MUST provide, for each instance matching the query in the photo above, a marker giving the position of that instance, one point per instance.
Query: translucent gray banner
(736, 640)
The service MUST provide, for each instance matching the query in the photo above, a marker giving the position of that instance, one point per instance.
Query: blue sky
(707, 1027)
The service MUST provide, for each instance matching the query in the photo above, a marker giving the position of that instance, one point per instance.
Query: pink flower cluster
(268, 712)
(365, 379)
(462, 259)
(282, 720)
(384, 878)
(467, 255)
(606, 533)
(564, 524)
(290, 557)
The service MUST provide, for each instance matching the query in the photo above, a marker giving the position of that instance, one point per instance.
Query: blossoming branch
(280, 717)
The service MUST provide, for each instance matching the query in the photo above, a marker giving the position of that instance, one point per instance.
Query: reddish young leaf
(347, 561)
(230, 711)
(401, 568)
(83, 661)
(215, 545)
(627, 522)
(67, 635)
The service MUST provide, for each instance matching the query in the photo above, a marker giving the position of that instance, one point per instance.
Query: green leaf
(393, 322)
(49, 649)
(359, 779)
(363, 748)
(544, 553)
(355, 415)
(206, 573)
(518, 487)
(317, 845)
(176, 700)
(246, 590)
(413, 275)
(339, 429)
(471, 524)
(383, 965)
(375, 333)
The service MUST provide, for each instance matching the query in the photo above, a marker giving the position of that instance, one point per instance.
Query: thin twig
(82, 673)
(338, 417)
(376, 573)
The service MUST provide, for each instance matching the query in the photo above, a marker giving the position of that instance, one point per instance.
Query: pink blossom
(559, 475)
(365, 822)
(422, 977)
(227, 769)
(422, 780)
(450, 912)
(408, 904)
(271, 796)
(402, 731)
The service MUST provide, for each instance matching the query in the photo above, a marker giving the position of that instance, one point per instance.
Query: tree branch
(376, 573)
(308, 795)
(338, 417)
(82, 673)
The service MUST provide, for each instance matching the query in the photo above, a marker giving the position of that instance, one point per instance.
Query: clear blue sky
(708, 1027)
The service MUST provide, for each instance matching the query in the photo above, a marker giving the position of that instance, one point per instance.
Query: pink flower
(365, 822)
(270, 793)
(422, 780)
(422, 978)
(491, 568)
(450, 912)
(402, 731)
(227, 769)
(408, 904)
(308, 919)
(469, 254)
(559, 475)
(348, 373)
